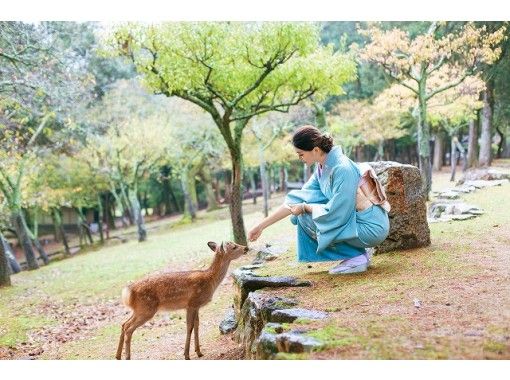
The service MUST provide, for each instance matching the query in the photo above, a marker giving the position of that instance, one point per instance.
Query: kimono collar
(332, 158)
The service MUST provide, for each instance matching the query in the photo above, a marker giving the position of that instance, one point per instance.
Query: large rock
(246, 282)
(484, 174)
(408, 215)
(255, 313)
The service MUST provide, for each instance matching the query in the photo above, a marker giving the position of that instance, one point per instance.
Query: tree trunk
(217, 189)
(380, 151)
(165, 185)
(485, 157)
(438, 151)
(236, 204)
(57, 217)
(265, 184)
(502, 142)
(109, 215)
(253, 186)
(127, 204)
(205, 175)
(424, 145)
(42, 253)
(56, 232)
(189, 209)
(228, 185)
(36, 243)
(5, 271)
(100, 217)
(453, 158)
(9, 253)
(84, 227)
(18, 221)
(283, 179)
(122, 206)
(175, 203)
(472, 154)
(137, 214)
(391, 150)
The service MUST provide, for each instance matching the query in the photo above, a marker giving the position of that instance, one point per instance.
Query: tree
(491, 72)
(5, 272)
(371, 121)
(135, 139)
(35, 106)
(235, 71)
(411, 62)
(453, 109)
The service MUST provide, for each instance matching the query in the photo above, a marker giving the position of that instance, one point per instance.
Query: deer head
(229, 250)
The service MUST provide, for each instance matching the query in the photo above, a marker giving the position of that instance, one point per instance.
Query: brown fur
(178, 290)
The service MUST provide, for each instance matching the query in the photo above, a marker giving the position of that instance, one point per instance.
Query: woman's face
(308, 157)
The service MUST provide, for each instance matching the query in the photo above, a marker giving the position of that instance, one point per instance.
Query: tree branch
(269, 67)
(448, 86)
(38, 130)
(282, 107)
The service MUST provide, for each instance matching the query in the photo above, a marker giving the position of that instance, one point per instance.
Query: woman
(328, 226)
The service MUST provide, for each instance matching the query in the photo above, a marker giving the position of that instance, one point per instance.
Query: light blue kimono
(335, 230)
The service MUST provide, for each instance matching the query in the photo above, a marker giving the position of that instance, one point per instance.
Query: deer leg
(121, 340)
(190, 321)
(130, 328)
(195, 328)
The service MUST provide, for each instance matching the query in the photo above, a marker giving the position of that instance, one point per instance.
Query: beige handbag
(370, 191)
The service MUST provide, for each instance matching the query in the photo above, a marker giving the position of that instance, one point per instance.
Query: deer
(188, 290)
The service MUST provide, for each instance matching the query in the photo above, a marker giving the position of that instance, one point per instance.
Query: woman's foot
(369, 252)
(356, 264)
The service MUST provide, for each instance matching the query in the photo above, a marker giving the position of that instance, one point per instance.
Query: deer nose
(246, 249)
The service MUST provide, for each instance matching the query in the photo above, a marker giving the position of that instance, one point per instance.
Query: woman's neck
(322, 159)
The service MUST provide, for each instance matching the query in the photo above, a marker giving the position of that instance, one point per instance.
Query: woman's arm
(282, 212)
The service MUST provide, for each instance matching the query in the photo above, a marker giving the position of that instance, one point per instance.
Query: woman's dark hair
(308, 137)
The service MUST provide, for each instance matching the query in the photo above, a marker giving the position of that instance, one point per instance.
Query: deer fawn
(178, 290)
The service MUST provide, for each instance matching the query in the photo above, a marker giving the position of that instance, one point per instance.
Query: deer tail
(126, 296)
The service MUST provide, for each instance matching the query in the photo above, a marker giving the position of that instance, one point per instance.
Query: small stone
(417, 303)
(292, 342)
(229, 323)
(290, 315)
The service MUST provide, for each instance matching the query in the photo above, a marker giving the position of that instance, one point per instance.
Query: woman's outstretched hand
(254, 233)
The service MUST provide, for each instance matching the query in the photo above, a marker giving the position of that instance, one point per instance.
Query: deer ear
(212, 245)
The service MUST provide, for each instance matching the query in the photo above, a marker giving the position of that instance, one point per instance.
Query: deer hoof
(199, 354)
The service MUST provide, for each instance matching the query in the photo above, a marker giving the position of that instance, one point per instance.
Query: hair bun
(326, 142)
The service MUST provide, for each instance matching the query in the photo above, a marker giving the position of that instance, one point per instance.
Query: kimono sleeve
(309, 193)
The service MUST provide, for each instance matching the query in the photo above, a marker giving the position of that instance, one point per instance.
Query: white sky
(248, 10)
